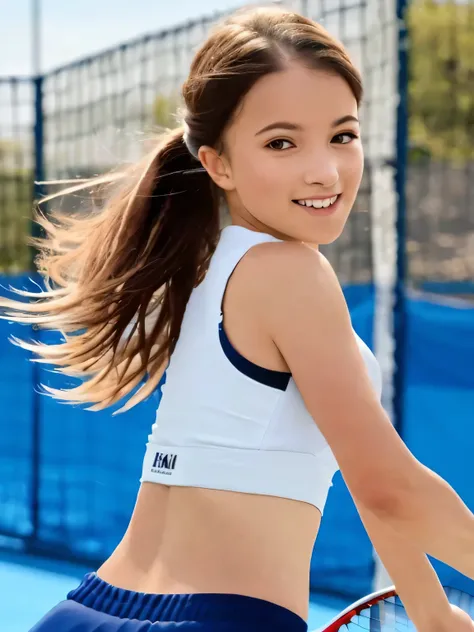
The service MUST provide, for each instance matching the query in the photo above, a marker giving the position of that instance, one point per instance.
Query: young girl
(268, 388)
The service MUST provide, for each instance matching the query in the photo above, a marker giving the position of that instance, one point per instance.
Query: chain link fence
(16, 172)
(104, 110)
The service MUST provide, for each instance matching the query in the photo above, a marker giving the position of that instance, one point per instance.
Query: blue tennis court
(29, 587)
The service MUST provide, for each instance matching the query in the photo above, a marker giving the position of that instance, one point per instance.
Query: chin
(323, 237)
(329, 239)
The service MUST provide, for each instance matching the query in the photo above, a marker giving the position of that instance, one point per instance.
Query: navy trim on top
(269, 377)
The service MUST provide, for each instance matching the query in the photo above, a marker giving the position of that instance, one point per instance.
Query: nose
(322, 169)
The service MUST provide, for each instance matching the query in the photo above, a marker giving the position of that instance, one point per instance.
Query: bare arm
(410, 570)
(435, 518)
(415, 579)
(305, 313)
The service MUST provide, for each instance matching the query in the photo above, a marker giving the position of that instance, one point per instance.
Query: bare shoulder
(292, 275)
(274, 255)
(302, 309)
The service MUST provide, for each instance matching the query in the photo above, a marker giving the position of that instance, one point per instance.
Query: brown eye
(278, 143)
(345, 138)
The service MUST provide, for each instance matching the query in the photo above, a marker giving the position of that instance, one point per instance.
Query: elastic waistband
(202, 607)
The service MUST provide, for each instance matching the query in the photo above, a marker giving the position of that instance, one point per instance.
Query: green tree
(16, 187)
(165, 109)
(441, 81)
(10, 153)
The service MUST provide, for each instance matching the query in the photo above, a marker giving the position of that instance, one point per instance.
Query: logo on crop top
(164, 463)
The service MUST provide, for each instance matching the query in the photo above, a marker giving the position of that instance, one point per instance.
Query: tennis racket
(383, 611)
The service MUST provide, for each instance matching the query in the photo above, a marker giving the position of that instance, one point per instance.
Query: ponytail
(118, 279)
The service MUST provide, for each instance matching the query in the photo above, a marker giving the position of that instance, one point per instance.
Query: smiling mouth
(323, 205)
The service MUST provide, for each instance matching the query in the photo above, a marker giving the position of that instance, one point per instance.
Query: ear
(217, 166)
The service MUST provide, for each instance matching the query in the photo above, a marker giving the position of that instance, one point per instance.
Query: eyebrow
(297, 128)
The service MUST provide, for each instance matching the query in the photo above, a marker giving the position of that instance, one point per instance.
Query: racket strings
(389, 615)
(375, 624)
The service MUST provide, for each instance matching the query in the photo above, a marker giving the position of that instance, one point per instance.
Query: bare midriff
(190, 540)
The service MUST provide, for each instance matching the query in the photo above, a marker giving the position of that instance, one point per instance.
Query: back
(242, 467)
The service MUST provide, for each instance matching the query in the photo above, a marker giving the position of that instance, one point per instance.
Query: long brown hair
(118, 279)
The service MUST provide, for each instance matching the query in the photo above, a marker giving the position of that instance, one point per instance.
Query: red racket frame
(356, 608)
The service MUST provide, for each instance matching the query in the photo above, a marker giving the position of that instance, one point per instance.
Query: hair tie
(192, 147)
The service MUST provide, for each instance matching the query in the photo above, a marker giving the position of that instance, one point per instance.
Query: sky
(72, 29)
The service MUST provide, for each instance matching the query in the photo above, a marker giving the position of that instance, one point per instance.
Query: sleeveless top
(226, 423)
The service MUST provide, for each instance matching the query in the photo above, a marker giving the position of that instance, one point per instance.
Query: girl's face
(293, 159)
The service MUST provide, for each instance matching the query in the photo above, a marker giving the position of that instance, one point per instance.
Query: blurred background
(83, 88)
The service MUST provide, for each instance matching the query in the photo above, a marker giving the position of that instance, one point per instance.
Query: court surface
(29, 587)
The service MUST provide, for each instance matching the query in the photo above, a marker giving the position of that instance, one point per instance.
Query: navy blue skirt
(96, 606)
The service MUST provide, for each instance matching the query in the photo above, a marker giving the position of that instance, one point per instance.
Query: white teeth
(318, 203)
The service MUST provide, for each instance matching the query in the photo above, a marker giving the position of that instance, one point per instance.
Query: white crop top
(224, 422)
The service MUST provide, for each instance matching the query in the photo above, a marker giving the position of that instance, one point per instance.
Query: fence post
(399, 308)
(38, 191)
